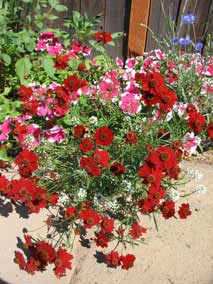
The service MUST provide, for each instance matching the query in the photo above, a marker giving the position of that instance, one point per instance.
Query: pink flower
(130, 63)
(5, 130)
(31, 139)
(190, 143)
(55, 49)
(130, 103)
(119, 62)
(55, 134)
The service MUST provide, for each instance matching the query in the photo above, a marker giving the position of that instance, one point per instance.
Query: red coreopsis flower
(90, 166)
(184, 211)
(25, 93)
(103, 37)
(28, 241)
(101, 157)
(27, 160)
(86, 145)
(127, 261)
(62, 262)
(70, 213)
(4, 182)
(210, 130)
(117, 169)
(32, 266)
(61, 61)
(79, 131)
(168, 209)
(102, 240)
(156, 193)
(45, 252)
(137, 230)
(174, 173)
(191, 108)
(131, 137)
(150, 175)
(167, 157)
(30, 107)
(167, 99)
(107, 225)
(151, 84)
(196, 121)
(113, 259)
(103, 136)
(72, 83)
(90, 218)
(147, 205)
(19, 259)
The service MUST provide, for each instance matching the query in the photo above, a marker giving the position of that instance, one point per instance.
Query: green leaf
(111, 43)
(23, 67)
(117, 35)
(60, 8)
(73, 63)
(52, 17)
(48, 65)
(6, 58)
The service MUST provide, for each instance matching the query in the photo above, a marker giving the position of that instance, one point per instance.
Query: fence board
(114, 22)
(93, 8)
(137, 32)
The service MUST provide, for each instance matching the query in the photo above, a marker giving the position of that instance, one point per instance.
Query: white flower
(82, 193)
(173, 195)
(201, 188)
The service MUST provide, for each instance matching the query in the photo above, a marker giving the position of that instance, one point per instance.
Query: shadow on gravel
(4, 282)
(100, 257)
(7, 207)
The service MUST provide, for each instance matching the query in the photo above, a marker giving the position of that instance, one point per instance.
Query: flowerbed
(102, 143)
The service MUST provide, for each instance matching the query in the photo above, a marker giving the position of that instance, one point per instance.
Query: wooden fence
(130, 16)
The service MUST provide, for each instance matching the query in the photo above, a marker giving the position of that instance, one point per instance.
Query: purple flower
(188, 18)
(184, 40)
(199, 46)
(175, 39)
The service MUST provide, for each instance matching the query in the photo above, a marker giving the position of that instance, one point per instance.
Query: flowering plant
(102, 142)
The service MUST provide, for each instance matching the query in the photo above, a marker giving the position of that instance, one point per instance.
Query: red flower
(27, 160)
(147, 205)
(19, 259)
(90, 218)
(127, 261)
(45, 252)
(103, 37)
(196, 121)
(113, 259)
(90, 166)
(61, 61)
(137, 230)
(117, 169)
(103, 136)
(156, 193)
(86, 145)
(167, 157)
(151, 84)
(79, 131)
(184, 211)
(70, 213)
(167, 99)
(168, 209)
(101, 157)
(191, 108)
(62, 262)
(25, 93)
(150, 175)
(131, 137)
(107, 225)
(72, 83)
(210, 130)
(102, 240)
(32, 265)
(28, 241)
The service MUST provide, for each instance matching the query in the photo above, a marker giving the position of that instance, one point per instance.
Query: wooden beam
(137, 32)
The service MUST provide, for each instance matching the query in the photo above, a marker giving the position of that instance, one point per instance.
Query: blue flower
(184, 40)
(175, 39)
(198, 46)
(188, 18)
